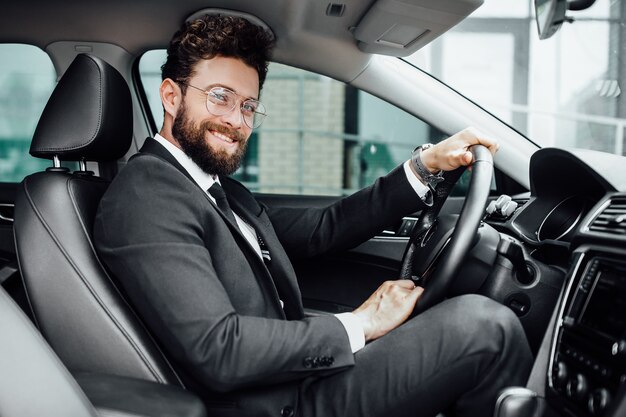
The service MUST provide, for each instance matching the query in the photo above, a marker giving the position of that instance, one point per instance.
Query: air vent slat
(612, 220)
(610, 212)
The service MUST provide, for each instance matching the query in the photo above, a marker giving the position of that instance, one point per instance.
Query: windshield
(565, 91)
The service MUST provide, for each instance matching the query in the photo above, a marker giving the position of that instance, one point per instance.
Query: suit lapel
(153, 147)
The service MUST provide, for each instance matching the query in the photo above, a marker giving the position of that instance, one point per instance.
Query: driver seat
(76, 305)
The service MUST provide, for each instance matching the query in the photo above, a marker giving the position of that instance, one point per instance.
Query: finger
(416, 293)
(493, 147)
(459, 157)
(405, 283)
(478, 137)
(467, 158)
(488, 142)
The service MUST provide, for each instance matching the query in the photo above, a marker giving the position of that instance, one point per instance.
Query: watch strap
(428, 177)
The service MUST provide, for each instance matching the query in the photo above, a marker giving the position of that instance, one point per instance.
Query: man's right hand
(389, 306)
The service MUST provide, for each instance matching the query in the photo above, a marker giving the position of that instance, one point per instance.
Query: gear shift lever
(518, 402)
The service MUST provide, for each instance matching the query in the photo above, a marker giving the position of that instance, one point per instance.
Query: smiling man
(216, 147)
(208, 268)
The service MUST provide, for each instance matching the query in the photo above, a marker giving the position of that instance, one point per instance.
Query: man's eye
(248, 107)
(219, 98)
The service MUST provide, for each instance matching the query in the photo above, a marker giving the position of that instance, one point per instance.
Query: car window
(321, 136)
(564, 92)
(27, 78)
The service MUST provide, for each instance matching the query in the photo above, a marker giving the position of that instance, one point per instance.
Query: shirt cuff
(354, 329)
(420, 188)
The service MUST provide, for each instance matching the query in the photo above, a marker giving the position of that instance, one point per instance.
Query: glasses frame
(257, 114)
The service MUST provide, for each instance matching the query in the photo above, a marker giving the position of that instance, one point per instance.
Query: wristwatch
(428, 177)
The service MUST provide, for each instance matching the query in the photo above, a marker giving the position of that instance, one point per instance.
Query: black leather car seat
(76, 305)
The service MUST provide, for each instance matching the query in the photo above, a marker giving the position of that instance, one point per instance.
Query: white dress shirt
(352, 324)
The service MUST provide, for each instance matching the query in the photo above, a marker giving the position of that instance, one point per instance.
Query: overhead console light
(401, 27)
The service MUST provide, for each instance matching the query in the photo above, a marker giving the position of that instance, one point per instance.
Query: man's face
(215, 143)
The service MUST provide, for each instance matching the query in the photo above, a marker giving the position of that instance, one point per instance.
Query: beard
(193, 143)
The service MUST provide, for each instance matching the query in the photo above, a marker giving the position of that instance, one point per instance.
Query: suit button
(287, 411)
(327, 360)
(308, 362)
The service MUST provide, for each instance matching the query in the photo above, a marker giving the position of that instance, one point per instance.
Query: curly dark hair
(217, 35)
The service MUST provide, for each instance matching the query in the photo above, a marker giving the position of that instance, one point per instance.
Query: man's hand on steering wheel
(394, 301)
(454, 151)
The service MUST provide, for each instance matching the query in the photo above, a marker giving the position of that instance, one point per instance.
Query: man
(208, 268)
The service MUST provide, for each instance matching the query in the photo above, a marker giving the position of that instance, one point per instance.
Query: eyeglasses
(221, 101)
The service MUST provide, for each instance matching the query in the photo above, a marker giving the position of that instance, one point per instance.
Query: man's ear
(171, 96)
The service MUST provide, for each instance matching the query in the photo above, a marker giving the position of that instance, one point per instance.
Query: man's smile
(223, 137)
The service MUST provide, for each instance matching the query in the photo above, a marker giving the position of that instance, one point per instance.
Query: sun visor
(401, 27)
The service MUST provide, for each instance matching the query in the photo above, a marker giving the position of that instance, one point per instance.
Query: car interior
(541, 230)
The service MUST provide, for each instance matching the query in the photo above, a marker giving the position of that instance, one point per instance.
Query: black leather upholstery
(118, 396)
(75, 303)
(88, 115)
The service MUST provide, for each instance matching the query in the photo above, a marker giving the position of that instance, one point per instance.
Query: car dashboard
(575, 219)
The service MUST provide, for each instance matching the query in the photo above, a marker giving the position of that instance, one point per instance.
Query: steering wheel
(433, 256)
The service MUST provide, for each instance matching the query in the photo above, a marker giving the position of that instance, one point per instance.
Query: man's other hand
(454, 151)
(389, 306)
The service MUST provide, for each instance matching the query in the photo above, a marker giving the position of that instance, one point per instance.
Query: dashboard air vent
(612, 219)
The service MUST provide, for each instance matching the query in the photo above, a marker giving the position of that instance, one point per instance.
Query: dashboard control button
(599, 400)
(578, 388)
(561, 374)
(619, 348)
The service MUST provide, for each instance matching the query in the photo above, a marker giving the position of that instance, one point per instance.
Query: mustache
(232, 133)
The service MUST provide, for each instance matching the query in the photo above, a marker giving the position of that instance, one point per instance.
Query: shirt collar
(204, 180)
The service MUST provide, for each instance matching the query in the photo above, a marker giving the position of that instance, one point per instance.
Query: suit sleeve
(348, 222)
(151, 233)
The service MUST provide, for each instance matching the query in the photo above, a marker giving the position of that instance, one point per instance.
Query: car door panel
(7, 196)
(338, 282)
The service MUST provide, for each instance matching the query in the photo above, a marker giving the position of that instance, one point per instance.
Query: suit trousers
(454, 358)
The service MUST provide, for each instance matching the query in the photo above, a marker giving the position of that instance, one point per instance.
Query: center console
(588, 354)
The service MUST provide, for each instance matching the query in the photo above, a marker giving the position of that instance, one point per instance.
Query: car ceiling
(300, 26)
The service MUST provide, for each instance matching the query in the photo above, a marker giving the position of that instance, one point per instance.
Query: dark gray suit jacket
(209, 299)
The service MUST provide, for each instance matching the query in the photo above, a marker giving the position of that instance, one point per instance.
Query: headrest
(89, 114)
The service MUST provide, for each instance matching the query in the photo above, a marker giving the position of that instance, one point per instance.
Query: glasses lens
(220, 101)
(253, 113)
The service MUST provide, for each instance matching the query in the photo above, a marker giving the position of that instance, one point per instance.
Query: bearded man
(208, 268)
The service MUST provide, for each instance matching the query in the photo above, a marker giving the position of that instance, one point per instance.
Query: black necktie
(219, 195)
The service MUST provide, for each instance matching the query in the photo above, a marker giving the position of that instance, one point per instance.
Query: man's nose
(233, 118)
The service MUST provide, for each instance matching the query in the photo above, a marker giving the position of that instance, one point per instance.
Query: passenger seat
(34, 382)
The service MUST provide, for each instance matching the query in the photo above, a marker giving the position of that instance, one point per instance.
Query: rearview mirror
(549, 14)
